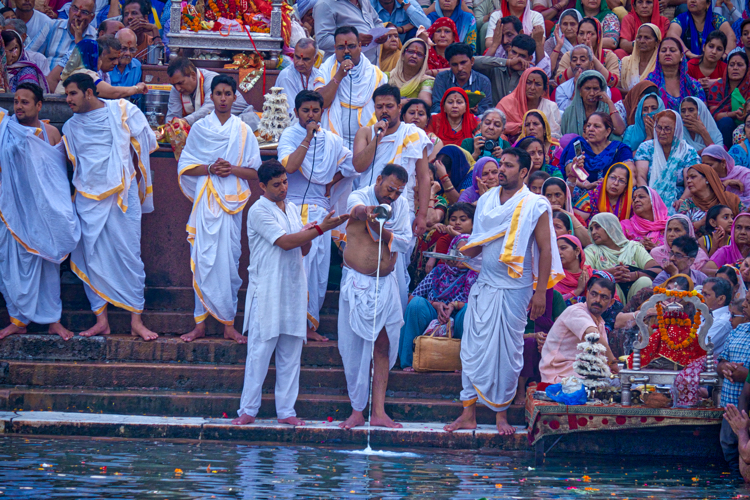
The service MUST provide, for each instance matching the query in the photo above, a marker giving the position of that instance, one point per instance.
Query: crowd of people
(576, 154)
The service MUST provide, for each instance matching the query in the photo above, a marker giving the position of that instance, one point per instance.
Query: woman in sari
(726, 98)
(19, 68)
(484, 177)
(454, 166)
(442, 33)
(558, 194)
(700, 129)
(705, 190)
(631, 101)
(605, 61)
(410, 76)
(532, 92)
(599, 152)
(613, 195)
(417, 111)
(535, 124)
(685, 27)
(660, 162)
(737, 250)
(638, 65)
(455, 122)
(610, 23)
(644, 12)
(441, 295)
(488, 140)
(643, 128)
(670, 75)
(535, 148)
(717, 225)
(590, 97)
(4, 83)
(466, 25)
(610, 251)
(564, 39)
(740, 151)
(736, 179)
(649, 219)
(390, 50)
(677, 225)
(577, 272)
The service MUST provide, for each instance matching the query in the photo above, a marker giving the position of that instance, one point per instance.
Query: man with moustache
(302, 74)
(127, 72)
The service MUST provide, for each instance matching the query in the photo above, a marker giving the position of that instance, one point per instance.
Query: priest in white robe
(370, 312)
(276, 294)
(103, 140)
(39, 225)
(391, 141)
(220, 157)
(514, 239)
(346, 84)
(315, 160)
(300, 75)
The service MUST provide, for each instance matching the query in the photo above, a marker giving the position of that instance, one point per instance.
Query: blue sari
(636, 133)
(465, 22)
(597, 164)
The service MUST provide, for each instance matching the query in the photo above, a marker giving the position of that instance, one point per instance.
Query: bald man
(128, 71)
(109, 27)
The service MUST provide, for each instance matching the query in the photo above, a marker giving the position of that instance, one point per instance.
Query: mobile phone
(578, 148)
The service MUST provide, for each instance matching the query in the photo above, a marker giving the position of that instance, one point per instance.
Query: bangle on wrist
(337, 81)
(318, 229)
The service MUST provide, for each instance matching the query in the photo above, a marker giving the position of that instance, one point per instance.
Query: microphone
(347, 57)
(385, 119)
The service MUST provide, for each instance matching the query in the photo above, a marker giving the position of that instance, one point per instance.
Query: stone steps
(189, 404)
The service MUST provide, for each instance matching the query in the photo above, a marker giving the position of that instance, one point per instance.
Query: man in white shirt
(276, 294)
(302, 74)
(35, 20)
(57, 38)
(718, 295)
(190, 95)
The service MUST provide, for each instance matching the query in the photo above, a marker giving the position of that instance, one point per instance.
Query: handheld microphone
(348, 57)
(385, 119)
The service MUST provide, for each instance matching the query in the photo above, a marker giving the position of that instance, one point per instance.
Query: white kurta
(39, 225)
(293, 82)
(357, 305)
(492, 344)
(326, 156)
(274, 308)
(215, 224)
(109, 204)
(353, 107)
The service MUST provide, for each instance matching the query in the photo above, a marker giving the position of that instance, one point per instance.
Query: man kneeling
(370, 312)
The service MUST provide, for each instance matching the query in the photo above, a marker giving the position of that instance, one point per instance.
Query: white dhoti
(317, 264)
(492, 356)
(288, 352)
(355, 328)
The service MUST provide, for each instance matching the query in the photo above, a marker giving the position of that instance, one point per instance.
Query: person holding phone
(643, 128)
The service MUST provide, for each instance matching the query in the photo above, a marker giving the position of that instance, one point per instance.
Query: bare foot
(231, 334)
(11, 329)
(100, 328)
(409, 369)
(503, 427)
(58, 329)
(384, 421)
(314, 336)
(520, 399)
(291, 421)
(355, 420)
(138, 329)
(198, 332)
(467, 420)
(243, 420)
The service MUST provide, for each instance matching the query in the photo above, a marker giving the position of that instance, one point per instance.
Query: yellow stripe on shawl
(514, 262)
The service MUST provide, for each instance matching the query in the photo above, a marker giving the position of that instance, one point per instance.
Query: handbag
(433, 353)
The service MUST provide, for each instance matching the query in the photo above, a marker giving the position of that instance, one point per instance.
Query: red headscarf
(631, 23)
(515, 105)
(441, 127)
(435, 60)
(570, 281)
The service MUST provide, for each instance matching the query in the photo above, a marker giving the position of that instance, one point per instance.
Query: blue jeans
(418, 315)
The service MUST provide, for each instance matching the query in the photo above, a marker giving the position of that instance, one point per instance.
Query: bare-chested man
(366, 298)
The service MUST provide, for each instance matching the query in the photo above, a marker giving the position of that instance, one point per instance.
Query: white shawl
(292, 82)
(680, 149)
(326, 148)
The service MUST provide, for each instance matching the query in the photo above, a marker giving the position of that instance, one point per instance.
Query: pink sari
(661, 253)
(734, 172)
(637, 228)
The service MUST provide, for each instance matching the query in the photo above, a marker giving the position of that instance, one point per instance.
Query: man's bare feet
(58, 329)
(243, 420)
(409, 369)
(314, 336)
(520, 399)
(198, 332)
(467, 420)
(231, 334)
(291, 421)
(138, 329)
(503, 427)
(355, 420)
(100, 328)
(11, 329)
(384, 421)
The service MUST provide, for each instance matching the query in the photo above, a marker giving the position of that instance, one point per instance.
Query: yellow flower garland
(662, 323)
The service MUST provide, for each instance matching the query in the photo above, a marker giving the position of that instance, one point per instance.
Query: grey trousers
(729, 445)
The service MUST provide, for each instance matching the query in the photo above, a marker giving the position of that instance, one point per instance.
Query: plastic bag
(570, 392)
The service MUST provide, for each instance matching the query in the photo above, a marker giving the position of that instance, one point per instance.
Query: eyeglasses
(415, 53)
(132, 50)
(738, 315)
(677, 255)
(663, 130)
(617, 180)
(84, 13)
(342, 48)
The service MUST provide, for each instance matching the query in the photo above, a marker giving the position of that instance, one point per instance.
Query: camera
(489, 145)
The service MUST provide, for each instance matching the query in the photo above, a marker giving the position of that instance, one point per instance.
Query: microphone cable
(374, 156)
(312, 172)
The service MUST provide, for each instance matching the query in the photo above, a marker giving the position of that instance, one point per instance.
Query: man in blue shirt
(405, 14)
(461, 58)
(127, 73)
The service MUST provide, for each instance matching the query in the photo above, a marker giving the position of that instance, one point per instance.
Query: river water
(146, 469)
